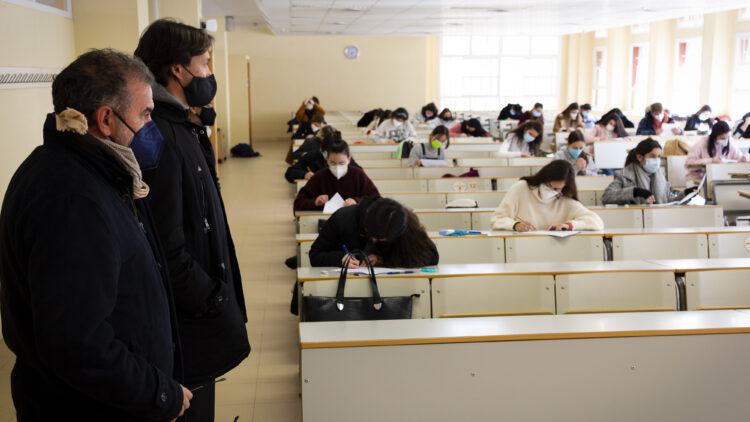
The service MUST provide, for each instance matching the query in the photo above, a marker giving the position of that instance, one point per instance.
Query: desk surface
(517, 328)
(683, 265)
(460, 210)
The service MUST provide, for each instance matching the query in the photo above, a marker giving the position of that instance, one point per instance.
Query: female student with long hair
(426, 114)
(569, 120)
(523, 141)
(385, 230)
(703, 116)
(445, 118)
(471, 127)
(640, 181)
(609, 127)
(536, 113)
(714, 148)
(547, 200)
(583, 163)
(433, 151)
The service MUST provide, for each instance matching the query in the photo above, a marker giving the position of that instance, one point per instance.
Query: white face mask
(611, 128)
(547, 193)
(315, 129)
(309, 106)
(397, 123)
(573, 115)
(722, 142)
(659, 117)
(704, 116)
(338, 170)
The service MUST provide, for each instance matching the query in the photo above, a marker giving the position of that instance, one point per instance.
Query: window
(57, 7)
(599, 96)
(638, 75)
(690, 21)
(687, 77)
(740, 103)
(482, 73)
(744, 14)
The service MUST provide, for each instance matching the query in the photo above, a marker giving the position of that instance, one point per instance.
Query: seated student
(426, 114)
(311, 144)
(588, 119)
(396, 129)
(373, 126)
(308, 129)
(609, 127)
(368, 117)
(534, 114)
(700, 121)
(386, 231)
(445, 118)
(309, 108)
(652, 121)
(523, 141)
(625, 122)
(510, 111)
(742, 127)
(547, 200)
(307, 164)
(471, 127)
(338, 177)
(569, 120)
(583, 164)
(433, 151)
(714, 148)
(640, 181)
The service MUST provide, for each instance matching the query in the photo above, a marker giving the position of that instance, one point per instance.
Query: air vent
(26, 77)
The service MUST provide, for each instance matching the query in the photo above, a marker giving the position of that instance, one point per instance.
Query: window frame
(33, 4)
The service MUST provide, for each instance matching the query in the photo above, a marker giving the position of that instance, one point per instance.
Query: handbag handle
(378, 302)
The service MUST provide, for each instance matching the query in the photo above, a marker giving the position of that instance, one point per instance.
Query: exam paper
(555, 233)
(333, 204)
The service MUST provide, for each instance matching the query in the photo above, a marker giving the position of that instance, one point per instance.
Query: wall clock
(351, 52)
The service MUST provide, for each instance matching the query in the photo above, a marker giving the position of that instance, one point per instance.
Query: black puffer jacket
(203, 267)
(86, 306)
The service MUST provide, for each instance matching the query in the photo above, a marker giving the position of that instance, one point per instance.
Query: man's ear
(176, 71)
(104, 121)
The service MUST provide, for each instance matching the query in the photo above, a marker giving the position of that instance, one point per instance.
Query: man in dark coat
(190, 214)
(86, 305)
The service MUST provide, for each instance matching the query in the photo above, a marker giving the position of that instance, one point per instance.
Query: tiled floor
(265, 387)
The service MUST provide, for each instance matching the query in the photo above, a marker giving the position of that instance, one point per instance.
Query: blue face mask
(575, 152)
(528, 138)
(147, 144)
(585, 114)
(325, 154)
(536, 113)
(652, 165)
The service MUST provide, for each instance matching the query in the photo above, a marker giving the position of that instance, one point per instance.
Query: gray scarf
(655, 183)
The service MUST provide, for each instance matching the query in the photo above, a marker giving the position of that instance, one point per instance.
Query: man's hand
(321, 200)
(581, 163)
(349, 202)
(186, 397)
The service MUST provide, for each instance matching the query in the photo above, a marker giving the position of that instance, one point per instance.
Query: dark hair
(315, 100)
(721, 127)
(407, 244)
(376, 113)
(387, 114)
(338, 146)
(644, 147)
(578, 136)
(538, 105)
(430, 107)
(619, 126)
(569, 108)
(476, 125)
(167, 42)
(401, 113)
(98, 78)
(442, 130)
(446, 110)
(317, 118)
(328, 136)
(704, 108)
(655, 108)
(555, 171)
(586, 107)
(528, 125)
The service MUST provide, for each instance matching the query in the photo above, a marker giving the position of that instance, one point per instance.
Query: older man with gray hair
(85, 297)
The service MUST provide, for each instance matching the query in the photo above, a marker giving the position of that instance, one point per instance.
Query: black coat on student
(86, 302)
(693, 122)
(738, 132)
(366, 119)
(303, 131)
(203, 267)
(313, 162)
(345, 227)
(505, 112)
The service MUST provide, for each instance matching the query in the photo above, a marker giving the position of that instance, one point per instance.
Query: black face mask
(207, 116)
(200, 91)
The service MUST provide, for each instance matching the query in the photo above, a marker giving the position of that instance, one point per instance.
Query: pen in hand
(212, 382)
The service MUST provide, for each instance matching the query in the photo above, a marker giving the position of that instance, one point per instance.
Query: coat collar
(167, 106)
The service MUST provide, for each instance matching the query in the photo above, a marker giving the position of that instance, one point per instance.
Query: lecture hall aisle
(265, 387)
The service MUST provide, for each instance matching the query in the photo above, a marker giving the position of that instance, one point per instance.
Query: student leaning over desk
(640, 181)
(432, 151)
(386, 231)
(426, 114)
(310, 162)
(396, 129)
(445, 118)
(569, 120)
(469, 128)
(701, 120)
(523, 141)
(583, 163)
(652, 122)
(714, 148)
(609, 127)
(536, 113)
(547, 200)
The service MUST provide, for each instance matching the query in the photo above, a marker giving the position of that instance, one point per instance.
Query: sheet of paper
(666, 128)
(555, 233)
(379, 271)
(426, 162)
(333, 204)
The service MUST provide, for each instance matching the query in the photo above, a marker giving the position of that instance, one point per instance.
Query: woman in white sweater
(547, 200)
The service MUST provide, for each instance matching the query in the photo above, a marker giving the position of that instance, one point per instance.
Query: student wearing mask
(311, 144)
(742, 127)
(311, 162)
(386, 231)
(583, 163)
(471, 127)
(547, 200)
(640, 181)
(202, 118)
(396, 129)
(569, 120)
(609, 127)
(510, 111)
(189, 213)
(523, 141)
(588, 119)
(653, 120)
(338, 177)
(714, 148)
(625, 122)
(432, 151)
(536, 113)
(445, 118)
(426, 114)
(700, 121)
(308, 129)
(376, 122)
(309, 108)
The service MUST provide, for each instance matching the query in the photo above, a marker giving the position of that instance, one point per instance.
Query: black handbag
(340, 308)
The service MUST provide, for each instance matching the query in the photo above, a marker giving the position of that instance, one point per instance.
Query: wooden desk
(479, 369)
